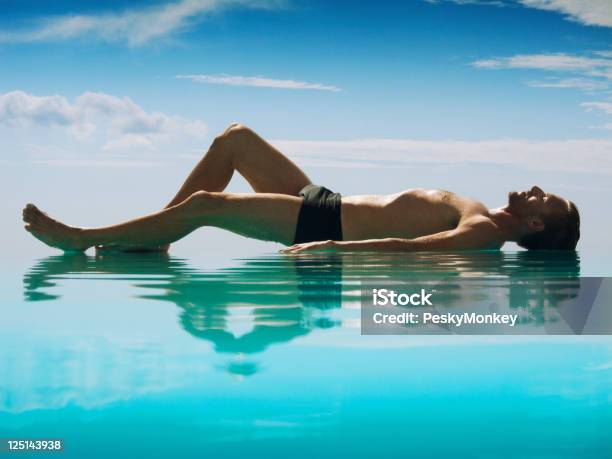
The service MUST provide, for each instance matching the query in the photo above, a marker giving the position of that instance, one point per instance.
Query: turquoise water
(162, 356)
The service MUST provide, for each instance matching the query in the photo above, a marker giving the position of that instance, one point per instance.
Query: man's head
(545, 221)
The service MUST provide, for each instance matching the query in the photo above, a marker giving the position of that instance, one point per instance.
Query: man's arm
(474, 235)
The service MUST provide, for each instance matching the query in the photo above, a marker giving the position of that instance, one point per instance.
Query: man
(287, 208)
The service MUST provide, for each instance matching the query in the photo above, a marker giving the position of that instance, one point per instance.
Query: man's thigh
(265, 168)
(264, 216)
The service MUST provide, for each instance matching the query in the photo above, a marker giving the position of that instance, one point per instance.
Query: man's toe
(27, 216)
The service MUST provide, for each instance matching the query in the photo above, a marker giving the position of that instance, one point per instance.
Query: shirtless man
(287, 208)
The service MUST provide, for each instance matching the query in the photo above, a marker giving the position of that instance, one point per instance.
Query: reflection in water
(287, 329)
(276, 298)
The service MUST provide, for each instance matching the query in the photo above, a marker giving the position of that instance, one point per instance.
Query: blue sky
(92, 87)
(404, 69)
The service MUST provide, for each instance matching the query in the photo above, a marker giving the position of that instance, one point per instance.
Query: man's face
(536, 203)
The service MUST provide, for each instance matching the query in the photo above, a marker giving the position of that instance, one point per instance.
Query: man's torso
(408, 214)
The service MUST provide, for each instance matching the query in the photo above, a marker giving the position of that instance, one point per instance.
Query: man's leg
(240, 149)
(265, 216)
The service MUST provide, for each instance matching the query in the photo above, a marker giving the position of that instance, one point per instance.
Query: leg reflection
(241, 311)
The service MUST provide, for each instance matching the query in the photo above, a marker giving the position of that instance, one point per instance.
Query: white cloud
(572, 83)
(119, 121)
(258, 81)
(585, 73)
(134, 26)
(580, 155)
(549, 62)
(606, 107)
(588, 12)
(470, 2)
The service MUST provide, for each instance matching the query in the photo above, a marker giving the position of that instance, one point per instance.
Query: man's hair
(559, 233)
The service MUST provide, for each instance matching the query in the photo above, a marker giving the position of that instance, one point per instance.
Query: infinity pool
(160, 356)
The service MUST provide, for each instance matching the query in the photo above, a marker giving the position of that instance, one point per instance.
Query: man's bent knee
(237, 131)
(231, 129)
(232, 135)
(234, 127)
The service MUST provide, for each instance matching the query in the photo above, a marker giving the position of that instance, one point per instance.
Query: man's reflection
(282, 298)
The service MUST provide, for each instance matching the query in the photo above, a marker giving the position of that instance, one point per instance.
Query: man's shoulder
(482, 231)
(480, 223)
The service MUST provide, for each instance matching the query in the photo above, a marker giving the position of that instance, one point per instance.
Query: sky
(106, 105)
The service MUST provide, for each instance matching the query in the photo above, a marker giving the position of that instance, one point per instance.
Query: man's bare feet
(52, 232)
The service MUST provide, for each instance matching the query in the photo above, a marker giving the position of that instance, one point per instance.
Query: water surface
(156, 355)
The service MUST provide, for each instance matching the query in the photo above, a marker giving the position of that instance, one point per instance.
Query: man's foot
(52, 232)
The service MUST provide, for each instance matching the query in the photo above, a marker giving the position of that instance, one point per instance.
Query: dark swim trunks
(320, 218)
